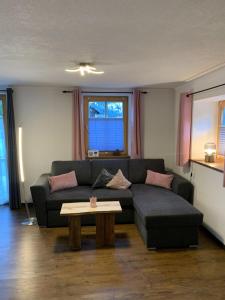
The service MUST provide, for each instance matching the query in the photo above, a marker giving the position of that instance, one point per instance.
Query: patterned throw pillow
(63, 181)
(103, 178)
(119, 182)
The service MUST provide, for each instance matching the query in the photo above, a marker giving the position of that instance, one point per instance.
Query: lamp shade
(210, 148)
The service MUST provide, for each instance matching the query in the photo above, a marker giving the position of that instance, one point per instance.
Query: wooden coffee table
(105, 220)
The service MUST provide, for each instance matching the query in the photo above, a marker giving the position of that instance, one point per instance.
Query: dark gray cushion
(82, 169)
(112, 165)
(138, 168)
(103, 178)
(77, 194)
(124, 196)
(158, 207)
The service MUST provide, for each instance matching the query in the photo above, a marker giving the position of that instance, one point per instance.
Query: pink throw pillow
(159, 179)
(119, 182)
(63, 181)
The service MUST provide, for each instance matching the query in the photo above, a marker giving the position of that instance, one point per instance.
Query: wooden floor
(37, 264)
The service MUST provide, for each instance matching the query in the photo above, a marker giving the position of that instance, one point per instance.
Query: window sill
(218, 165)
(109, 157)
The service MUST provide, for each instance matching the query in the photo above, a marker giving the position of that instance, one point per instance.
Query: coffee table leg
(74, 232)
(105, 230)
(100, 230)
(109, 229)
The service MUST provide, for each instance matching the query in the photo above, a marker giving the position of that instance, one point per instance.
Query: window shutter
(221, 146)
(106, 134)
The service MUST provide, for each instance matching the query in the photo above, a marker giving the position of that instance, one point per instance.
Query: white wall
(209, 193)
(45, 115)
(158, 125)
(204, 126)
(210, 198)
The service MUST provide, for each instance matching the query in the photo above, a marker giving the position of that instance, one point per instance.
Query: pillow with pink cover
(63, 181)
(163, 180)
(118, 182)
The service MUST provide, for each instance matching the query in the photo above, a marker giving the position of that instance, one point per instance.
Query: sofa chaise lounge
(165, 218)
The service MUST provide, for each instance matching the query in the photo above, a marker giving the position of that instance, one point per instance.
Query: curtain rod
(211, 88)
(91, 92)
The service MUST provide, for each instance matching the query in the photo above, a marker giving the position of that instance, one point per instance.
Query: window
(4, 193)
(221, 129)
(106, 124)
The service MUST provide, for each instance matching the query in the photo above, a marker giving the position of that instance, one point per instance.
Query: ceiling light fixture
(85, 68)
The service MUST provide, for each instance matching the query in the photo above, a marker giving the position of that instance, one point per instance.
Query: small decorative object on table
(93, 153)
(93, 202)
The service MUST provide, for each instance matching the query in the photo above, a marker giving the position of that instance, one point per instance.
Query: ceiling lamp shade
(85, 68)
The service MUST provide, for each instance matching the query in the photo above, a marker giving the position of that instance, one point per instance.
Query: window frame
(221, 106)
(97, 98)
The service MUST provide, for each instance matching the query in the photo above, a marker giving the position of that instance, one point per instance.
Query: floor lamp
(30, 220)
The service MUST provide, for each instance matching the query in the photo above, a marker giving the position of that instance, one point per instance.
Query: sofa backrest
(138, 168)
(111, 165)
(82, 169)
(135, 170)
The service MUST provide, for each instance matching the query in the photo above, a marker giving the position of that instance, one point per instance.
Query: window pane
(221, 148)
(223, 118)
(4, 194)
(96, 109)
(106, 134)
(114, 110)
(1, 108)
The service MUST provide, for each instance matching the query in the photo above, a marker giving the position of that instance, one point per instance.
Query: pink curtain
(78, 126)
(184, 130)
(135, 150)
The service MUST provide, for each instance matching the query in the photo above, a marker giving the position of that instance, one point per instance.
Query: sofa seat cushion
(77, 194)
(124, 196)
(158, 207)
(140, 188)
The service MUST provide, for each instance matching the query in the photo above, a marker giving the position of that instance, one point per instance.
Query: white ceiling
(136, 42)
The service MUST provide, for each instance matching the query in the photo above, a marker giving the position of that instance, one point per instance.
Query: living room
(158, 66)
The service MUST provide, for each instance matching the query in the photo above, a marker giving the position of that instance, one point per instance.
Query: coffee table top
(84, 208)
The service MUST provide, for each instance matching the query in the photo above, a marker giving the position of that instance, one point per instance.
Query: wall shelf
(218, 165)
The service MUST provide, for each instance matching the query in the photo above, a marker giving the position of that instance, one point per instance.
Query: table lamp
(210, 151)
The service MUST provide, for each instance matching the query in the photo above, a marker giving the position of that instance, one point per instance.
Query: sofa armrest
(183, 187)
(40, 191)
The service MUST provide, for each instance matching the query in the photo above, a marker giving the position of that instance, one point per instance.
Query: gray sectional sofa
(165, 218)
